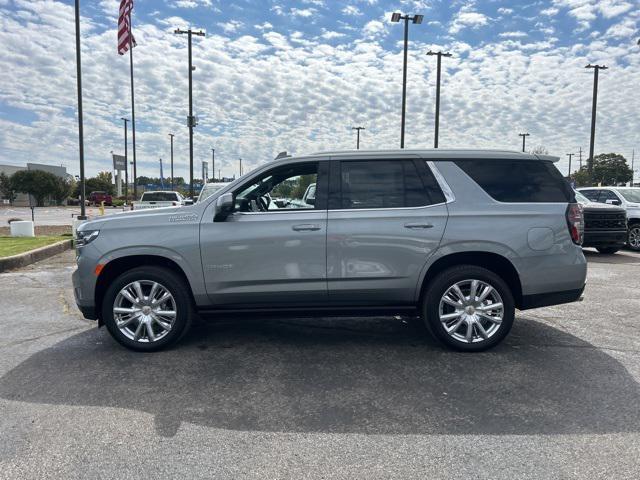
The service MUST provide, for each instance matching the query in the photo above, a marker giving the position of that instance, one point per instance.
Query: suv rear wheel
(469, 308)
(147, 308)
(633, 240)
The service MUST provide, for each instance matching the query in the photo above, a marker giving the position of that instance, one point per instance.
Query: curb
(33, 256)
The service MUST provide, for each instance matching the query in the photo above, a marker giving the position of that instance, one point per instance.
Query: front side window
(283, 188)
(607, 195)
(630, 194)
(591, 194)
(382, 184)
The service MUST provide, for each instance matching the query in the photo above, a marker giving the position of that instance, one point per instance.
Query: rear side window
(518, 180)
(591, 194)
(382, 184)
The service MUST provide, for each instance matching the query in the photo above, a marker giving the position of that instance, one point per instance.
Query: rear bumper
(604, 239)
(547, 299)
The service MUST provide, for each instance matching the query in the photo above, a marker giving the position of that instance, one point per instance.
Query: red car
(98, 197)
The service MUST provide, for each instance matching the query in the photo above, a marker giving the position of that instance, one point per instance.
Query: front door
(271, 250)
(389, 219)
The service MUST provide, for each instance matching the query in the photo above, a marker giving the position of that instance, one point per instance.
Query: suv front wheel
(469, 308)
(147, 308)
(633, 240)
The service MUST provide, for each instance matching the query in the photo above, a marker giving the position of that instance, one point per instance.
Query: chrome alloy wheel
(144, 311)
(471, 311)
(634, 237)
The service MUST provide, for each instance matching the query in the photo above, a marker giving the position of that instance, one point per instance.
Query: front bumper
(604, 238)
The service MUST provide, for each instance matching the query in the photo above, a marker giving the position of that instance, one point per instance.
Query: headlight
(85, 237)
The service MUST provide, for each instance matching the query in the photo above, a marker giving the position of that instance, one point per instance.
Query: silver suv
(460, 237)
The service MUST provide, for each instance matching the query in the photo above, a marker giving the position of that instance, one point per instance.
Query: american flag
(124, 27)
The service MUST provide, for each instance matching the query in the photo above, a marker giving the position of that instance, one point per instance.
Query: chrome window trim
(446, 189)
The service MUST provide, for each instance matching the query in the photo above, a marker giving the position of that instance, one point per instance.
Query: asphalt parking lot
(321, 398)
(50, 215)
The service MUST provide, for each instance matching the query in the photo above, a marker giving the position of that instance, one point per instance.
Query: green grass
(15, 245)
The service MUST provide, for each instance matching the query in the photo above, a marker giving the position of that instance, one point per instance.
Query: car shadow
(619, 258)
(372, 376)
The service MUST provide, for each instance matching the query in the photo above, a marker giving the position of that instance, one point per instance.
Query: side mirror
(311, 201)
(188, 201)
(224, 206)
(611, 201)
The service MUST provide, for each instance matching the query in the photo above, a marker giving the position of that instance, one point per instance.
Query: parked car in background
(209, 189)
(626, 197)
(460, 237)
(159, 199)
(605, 225)
(96, 198)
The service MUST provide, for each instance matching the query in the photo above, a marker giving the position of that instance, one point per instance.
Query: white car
(158, 200)
(629, 199)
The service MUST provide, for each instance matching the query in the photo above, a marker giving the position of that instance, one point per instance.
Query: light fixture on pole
(437, 120)
(83, 215)
(417, 20)
(596, 69)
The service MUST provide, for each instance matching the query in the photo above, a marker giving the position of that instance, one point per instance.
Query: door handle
(306, 227)
(417, 225)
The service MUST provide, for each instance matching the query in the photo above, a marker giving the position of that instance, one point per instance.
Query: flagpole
(83, 215)
(133, 113)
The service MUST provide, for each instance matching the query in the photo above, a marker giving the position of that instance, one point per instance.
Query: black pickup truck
(605, 226)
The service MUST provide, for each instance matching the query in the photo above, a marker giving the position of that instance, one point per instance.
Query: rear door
(386, 217)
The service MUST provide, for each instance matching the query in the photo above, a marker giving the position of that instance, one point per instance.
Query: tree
(540, 150)
(6, 188)
(100, 183)
(62, 189)
(608, 169)
(38, 183)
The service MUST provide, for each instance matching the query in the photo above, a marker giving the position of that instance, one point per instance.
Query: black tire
(608, 250)
(633, 237)
(439, 286)
(169, 280)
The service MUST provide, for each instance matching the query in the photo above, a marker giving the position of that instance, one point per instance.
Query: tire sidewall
(167, 279)
(637, 227)
(442, 282)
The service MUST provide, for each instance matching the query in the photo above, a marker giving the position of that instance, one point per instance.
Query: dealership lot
(321, 398)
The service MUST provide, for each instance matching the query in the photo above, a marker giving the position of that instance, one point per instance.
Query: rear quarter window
(520, 181)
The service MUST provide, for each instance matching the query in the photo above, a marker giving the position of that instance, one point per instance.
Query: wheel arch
(498, 264)
(118, 266)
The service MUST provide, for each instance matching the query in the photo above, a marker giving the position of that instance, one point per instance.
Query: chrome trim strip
(446, 189)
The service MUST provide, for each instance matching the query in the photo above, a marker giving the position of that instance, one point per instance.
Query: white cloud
(505, 11)
(550, 12)
(191, 3)
(230, 26)
(264, 26)
(373, 28)
(517, 34)
(303, 12)
(586, 11)
(467, 18)
(351, 10)
(331, 35)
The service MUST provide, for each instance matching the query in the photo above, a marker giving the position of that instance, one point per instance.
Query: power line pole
(240, 166)
(171, 135)
(191, 121)
(358, 133)
(633, 158)
(580, 157)
(213, 162)
(83, 213)
(570, 155)
(439, 55)
(596, 69)
(524, 136)
(417, 20)
(126, 163)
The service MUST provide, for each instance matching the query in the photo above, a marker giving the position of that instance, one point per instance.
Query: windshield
(580, 198)
(630, 194)
(159, 197)
(209, 189)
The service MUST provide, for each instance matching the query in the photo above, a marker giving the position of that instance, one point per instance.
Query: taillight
(575, 222)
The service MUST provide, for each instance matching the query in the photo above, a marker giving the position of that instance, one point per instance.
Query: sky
(276, 75)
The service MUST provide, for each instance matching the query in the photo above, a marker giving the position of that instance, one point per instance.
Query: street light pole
(596, 69)
(126, 163)
(416, 19)
(171, 135)
(570, 155)
(240, 166)
(357, 129)
(439, 67)
(213, 162)
(83, 214)
(524, 136)
(190, 120)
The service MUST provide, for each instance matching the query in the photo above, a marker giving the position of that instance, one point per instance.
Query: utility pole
(358, 132)
(213, 162)
(161, 175)
(596, 69)
(417, 20)
(171, 135)
(126, 163)
(633, 158)
(580, 157)
(240, 166)
(439, 67)
(570, 155)
(83, 213)
(524, 136)
(191, 121)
